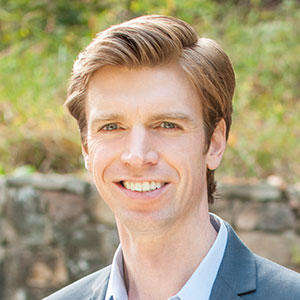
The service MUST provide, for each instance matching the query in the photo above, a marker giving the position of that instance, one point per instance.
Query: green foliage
(296, 255)
(266, 128)
(41, 38)
(24, 170)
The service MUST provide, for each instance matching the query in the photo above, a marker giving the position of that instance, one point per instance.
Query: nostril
(138, 159)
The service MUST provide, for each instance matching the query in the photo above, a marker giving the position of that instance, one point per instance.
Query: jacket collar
(237, 273)
(236, 276)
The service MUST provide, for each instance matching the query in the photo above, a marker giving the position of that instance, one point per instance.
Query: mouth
(142, 187)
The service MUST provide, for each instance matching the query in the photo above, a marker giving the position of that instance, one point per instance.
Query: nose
(138, 151)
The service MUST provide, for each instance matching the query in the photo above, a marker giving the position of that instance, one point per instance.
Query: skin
(146, 125)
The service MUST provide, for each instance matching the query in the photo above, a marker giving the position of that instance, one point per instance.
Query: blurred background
(40, 39)
(54, 228)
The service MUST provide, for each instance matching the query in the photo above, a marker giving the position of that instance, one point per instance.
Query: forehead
(119, 90)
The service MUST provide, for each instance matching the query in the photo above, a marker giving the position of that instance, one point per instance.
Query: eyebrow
(104, 117)
(172, 116)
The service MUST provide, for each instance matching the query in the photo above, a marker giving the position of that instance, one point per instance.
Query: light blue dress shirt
(199, 285)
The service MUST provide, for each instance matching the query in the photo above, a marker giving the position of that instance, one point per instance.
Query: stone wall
(55, 229)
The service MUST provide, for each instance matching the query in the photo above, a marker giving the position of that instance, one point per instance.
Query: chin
(145, 222)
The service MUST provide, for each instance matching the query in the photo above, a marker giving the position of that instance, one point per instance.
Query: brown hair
(156, 40)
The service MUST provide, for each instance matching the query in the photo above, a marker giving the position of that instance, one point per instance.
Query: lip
(139, 180)
(142, 195)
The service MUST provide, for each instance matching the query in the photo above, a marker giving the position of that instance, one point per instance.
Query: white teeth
(145, 186)
(138, 186)
(153, 185)
(132, 186)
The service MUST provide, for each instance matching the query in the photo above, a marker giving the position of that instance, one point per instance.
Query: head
(152, 41)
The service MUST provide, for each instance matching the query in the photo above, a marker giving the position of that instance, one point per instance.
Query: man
(153, 103)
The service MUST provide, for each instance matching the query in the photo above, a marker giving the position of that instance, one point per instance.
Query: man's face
(145, 145)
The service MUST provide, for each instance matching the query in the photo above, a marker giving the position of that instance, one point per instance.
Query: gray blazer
(242, 275)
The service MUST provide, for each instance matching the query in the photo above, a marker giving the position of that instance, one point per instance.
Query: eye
(110, 127)
(168, 125)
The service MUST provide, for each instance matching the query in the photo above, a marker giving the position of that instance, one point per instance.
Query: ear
(217, 146)
(85, 155)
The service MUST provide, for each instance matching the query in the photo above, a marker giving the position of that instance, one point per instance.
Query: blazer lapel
(237, 273)
(221, 290)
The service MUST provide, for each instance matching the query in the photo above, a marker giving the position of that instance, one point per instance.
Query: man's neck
(156, 266)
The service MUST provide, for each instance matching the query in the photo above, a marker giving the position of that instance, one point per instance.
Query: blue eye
(168, 125)
(110, 127)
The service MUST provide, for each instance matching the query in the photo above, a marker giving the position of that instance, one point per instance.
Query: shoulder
(255, 277)
(275, 281)
(86, 288)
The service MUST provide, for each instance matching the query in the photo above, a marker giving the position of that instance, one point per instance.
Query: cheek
(100, 156)
(186, 155)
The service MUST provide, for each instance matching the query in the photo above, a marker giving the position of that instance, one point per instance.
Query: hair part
(151, 41)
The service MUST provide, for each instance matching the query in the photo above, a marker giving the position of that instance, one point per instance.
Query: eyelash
(174, 126)
(105, 127)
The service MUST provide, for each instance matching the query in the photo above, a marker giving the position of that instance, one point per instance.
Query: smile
(145, 186)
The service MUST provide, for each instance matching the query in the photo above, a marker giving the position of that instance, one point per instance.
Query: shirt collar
(198, 286)
(116, 289)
